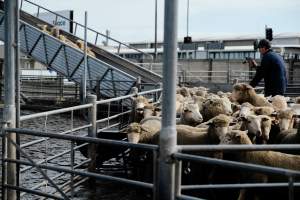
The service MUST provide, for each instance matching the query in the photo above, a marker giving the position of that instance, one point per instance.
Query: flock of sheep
(239, 117)
(55, 32)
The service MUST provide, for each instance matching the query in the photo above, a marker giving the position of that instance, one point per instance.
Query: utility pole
(155, 32)
(84, 75)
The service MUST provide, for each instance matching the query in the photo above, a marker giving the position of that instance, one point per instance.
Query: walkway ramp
(115, 74)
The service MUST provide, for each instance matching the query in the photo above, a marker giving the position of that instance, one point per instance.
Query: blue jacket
(273, 71)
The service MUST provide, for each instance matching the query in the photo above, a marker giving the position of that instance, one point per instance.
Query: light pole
(187, 17)
(155, 31)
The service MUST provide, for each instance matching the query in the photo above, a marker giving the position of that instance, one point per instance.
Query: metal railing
(91, 32)
(291, 175)
(108, 119)
(178, 158)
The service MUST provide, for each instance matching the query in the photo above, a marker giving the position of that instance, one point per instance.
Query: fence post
(9, 112)
(92, 131)
(168, 136)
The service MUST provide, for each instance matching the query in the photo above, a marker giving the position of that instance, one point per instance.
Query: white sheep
(245, 93)
(138, 133)
(258, 127)
(190, 114)
(279, 102)
(214, 107)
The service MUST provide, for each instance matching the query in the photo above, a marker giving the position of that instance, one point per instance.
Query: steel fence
(108, 118)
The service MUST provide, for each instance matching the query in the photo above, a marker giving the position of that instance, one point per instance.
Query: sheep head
(139, 103)
(279, 102)
(236, 137)
(241, 92)
(214, 107)
(184, 91)
(190, 114)
(286, 119)
(246, 109)
(264, 110)
(134, 131)
(266, 124)
(252, 123)
(220, 125)
(148, 111)
(55, 31)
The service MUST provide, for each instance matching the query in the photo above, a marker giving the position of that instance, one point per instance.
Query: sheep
(190, 114)
(267, 158)
(184, 91)
(245, 93)
(198, 91)
(149, 120)
(264, 110)
(139, 104)
(44, 28)
(148, 111)
(297, 100)
(138, 133)
(286, 119)
(199, 100)
(279, 102)
(246, 109)
(291, 136)
(80, 44)
(214, 107)
(258, 127)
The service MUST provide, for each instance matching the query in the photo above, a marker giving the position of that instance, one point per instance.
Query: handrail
(89, 29)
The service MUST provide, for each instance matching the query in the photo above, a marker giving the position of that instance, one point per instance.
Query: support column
(9, 112)
(168, 136)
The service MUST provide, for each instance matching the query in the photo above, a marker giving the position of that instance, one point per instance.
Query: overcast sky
(133, 20)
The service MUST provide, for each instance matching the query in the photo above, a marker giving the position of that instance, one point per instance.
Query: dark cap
(264, 43)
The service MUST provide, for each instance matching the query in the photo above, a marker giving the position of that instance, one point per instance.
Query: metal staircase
(115, 74)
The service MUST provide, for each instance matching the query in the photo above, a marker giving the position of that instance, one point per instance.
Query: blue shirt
(273, 71)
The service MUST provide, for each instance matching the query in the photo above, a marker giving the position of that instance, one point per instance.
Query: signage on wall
(61, 22)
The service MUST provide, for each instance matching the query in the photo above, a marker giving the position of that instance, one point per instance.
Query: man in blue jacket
(272, 70)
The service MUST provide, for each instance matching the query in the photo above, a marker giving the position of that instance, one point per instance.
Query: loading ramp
(116, 75)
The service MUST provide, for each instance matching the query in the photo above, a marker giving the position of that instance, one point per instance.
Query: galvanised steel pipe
(239, 165)
(9, 112)
(82, 139)
(168, 136)
(86, 174)
(238, 185)
(238, 147)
